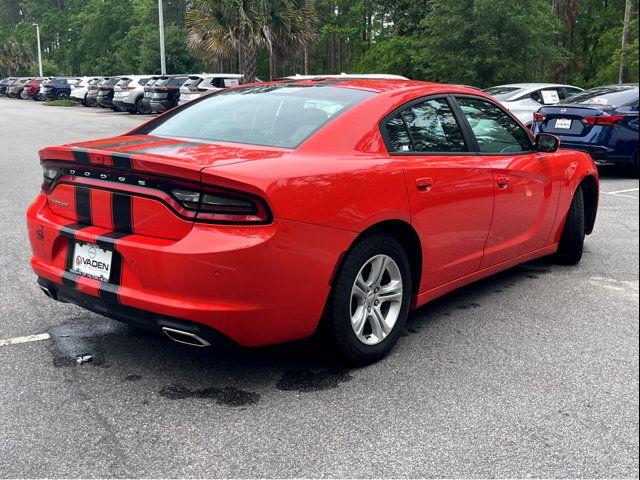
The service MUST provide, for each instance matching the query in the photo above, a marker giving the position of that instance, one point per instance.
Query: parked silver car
(524, 99)
(79, 90)
(197, 85)
(129, 92)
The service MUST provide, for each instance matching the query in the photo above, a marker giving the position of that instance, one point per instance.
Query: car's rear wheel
(369, 303)
(24, 95)
(62, 96)
(571, 244)
(142, 108)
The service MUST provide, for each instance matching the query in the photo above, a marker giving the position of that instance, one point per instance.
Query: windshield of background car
(611, 96)
(502, 93)
(271, 115)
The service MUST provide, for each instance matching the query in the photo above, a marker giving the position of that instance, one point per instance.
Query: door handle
(424, 184)
(502, 181)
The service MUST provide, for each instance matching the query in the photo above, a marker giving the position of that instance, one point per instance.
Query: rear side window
(177, 81)
(495, 131)
(428, 127)
(502, 93)
(220, 82)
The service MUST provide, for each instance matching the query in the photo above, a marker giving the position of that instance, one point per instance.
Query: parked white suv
(128, 94)
(80, 89)
(198, 85)
(524, 99)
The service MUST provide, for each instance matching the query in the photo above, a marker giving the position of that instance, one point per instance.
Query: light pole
(163, 63)
(39, 49)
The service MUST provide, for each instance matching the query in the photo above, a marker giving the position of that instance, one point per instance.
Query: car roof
(379, 85)
(297, 76)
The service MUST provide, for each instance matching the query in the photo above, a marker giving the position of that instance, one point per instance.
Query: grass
(61, 103)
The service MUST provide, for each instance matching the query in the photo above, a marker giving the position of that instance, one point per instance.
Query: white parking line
(28, 338)
(623, 191)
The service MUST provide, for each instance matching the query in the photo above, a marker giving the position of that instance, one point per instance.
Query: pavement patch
(229, 396)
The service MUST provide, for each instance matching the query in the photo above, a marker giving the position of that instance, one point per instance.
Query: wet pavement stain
(412, 330)
(79, 338)
(468, 306)
(133, 378)
(229, 396)
(308, 381)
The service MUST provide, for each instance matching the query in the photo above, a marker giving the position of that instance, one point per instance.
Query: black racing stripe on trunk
(83, 205)
(121, 208)
(108, 240)
(69, 231)
(80, 155)
(140, 141)
(121, 160)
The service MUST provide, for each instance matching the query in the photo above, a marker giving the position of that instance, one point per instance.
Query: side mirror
(547, 143)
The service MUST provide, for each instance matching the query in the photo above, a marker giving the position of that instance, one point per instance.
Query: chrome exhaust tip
(186, 338)
(49, 293)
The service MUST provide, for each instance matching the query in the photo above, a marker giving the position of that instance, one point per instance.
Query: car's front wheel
(62, 95)
(142, 108)
(369, 303)
(571, 244)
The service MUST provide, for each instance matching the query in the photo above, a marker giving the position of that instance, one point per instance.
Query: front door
(525, 199)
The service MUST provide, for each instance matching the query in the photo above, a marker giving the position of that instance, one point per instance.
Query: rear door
(525, 194)
(450, 187)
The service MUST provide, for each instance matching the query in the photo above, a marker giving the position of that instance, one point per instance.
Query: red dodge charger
(267, 212)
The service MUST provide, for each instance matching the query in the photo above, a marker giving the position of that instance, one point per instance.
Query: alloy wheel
(376, 299)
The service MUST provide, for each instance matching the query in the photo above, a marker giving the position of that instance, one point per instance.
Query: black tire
(336, 324)
(62, 95)
(571, 244)
(141, 108)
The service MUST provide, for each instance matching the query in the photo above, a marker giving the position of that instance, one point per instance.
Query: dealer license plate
(564, 123)
(92, 261)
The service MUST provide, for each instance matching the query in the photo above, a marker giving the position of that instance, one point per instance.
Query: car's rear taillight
(538, 117)
(605, 120)
(224, 206)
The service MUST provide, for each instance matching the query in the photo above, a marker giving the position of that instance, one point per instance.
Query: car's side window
(398, 135)
(495, 131)
(429, 126)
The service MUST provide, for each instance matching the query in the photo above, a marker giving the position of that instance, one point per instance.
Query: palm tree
(291, 30)
(218, 29)
(222, 28)
(14, 56)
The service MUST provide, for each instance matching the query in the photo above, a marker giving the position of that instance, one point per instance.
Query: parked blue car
(59, 88)
(602, 121)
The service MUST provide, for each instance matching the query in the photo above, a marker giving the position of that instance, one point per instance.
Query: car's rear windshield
(271, 115)
(112, 81)
(192, 81)
(124, 82)
(502, 93)
(610, 96)
(225, 82)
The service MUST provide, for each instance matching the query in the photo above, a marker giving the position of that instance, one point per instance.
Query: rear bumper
(123, 104)
(140, 318)
(257, 285)
(104, 101)
(161, 105)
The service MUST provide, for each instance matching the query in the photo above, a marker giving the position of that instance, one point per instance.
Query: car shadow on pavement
(233, 375)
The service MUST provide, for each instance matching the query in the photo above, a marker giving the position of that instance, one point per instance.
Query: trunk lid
(128, 183)
(568, 120)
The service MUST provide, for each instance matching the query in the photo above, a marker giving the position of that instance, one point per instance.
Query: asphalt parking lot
(533, 372)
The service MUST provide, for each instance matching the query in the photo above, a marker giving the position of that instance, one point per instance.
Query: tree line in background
(474, 42)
